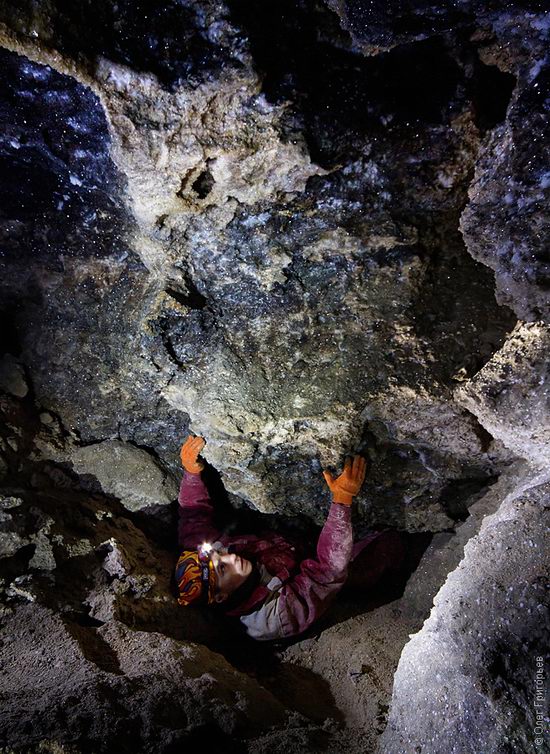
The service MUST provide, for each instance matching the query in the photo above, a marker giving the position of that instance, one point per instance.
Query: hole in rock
(490, 90)
(460, 492)
(192, 297)
(203, 185)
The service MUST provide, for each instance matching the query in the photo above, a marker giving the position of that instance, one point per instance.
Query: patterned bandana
(192, 573)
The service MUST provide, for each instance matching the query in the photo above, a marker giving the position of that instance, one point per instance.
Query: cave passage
(287, 227)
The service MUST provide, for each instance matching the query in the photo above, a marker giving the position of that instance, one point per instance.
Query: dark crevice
(95, 441)
(388, 583)
(84, 619)
(18, 563)
(467, 329)
(191, 298)
(460, 494)
(485, 438)
(355, 95)
(491, 90)
(205, 737)
(203, 185)
(167, 343)
(168, 39)
(416, 82)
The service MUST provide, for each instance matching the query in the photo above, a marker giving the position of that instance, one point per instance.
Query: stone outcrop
(158, 686)
(301, 230)
(511, 394)
(472, 667)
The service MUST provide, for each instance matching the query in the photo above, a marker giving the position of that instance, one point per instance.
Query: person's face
(231, 571)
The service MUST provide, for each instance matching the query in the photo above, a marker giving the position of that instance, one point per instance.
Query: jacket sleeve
(195, 513)
(305, 598)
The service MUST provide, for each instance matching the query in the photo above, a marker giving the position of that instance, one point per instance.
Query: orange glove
(349, 482)
(189, 454)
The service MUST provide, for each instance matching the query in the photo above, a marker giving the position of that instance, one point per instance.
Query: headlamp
(204, 552)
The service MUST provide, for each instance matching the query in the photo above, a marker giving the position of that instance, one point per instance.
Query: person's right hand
(189, 454)
(349, 482)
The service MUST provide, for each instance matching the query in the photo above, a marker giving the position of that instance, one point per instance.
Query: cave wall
(472, 667)
(278, 264)
(301, 230)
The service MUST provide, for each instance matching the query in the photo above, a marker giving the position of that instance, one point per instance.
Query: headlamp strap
(204, 563)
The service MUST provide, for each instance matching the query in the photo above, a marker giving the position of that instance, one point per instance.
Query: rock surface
(164, 692)
(302, 230)
(505, 224)
(511, 394)
(280, 319)
(472, 667)
(126, 472)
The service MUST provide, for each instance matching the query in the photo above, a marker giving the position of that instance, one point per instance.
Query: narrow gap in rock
(18, 563)
(459, 494)
(490, 90)
(192, 298)
(456, 311)
(9, 341)
(203, 185)
(84, 620)
(161, 39)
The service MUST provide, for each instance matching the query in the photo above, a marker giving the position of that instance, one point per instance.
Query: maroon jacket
(293, 593)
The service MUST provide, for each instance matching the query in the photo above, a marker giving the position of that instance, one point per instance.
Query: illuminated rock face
(272, 262)
(282, 226)
(472, 668)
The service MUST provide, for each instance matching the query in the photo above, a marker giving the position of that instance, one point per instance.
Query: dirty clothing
(291, 593)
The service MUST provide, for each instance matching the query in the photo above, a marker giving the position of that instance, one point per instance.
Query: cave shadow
(359, 595)
(203, 737)
(365, 589)
(243, 520)
(160, 522)
(416, 81)
(297, 688)
(93, 646)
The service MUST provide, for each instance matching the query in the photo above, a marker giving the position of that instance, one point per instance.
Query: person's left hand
(189, 454)
(347, 485)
